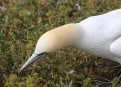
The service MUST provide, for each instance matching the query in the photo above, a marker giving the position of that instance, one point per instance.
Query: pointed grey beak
(32, 59)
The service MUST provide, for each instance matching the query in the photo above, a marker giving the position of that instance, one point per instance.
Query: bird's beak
(32, 59)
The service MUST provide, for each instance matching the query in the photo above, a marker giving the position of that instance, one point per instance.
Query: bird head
(54, 40)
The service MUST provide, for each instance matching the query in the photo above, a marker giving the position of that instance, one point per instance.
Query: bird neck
(69, 34)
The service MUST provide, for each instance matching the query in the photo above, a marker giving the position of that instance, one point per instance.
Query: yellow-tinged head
(54, 40)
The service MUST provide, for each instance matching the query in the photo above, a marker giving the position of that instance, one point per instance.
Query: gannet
(98, 35)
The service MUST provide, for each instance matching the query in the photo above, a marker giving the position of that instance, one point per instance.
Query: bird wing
(115, 47)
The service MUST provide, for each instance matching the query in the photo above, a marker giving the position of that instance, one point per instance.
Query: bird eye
(44, 53)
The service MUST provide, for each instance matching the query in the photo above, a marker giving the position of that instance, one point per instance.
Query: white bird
(98, 35)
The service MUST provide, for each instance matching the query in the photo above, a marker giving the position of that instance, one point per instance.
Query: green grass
(23, 22)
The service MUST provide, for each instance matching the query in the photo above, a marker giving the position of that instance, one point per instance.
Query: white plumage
(102, 35)
(98, 35)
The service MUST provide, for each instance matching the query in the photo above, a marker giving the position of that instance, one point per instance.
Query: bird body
(99, 32)
(98, 35)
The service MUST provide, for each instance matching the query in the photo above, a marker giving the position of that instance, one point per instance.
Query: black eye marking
(44, 53)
